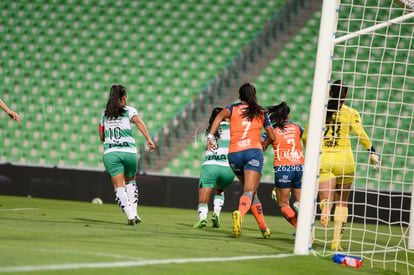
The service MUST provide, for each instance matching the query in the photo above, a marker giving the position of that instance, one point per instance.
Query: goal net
(372, 51)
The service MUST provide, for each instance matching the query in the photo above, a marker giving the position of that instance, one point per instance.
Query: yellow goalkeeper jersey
(337, 159)
(337, 135)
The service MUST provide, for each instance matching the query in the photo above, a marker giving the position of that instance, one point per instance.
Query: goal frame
(321, 83)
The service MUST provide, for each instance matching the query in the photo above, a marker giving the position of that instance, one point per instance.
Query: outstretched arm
(9, 112)
(143, 129)
(364, 140)
(225, 113)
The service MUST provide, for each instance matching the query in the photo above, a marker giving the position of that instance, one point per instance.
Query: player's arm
(101, 132)
(9, 112)
(271, 136)
(211, 142)
(364, 140)
(265, 142)
(143, 129)
(268, 139)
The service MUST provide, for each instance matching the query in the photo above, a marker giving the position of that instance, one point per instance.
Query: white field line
(29, 268)
(17, 209)
(76, 252)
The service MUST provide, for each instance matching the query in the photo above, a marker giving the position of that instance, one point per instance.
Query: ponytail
(339, 91)
(279, 114)
(213, 115)
(247, 93)
(114, 107)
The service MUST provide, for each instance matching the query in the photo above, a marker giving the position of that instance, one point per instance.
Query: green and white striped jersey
(118, 132)
(219, 156)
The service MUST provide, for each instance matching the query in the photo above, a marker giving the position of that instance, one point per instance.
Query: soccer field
(41, 236)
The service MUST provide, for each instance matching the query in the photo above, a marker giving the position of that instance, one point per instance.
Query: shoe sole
(326, 213)
(237, 230)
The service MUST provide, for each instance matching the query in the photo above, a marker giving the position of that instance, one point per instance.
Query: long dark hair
(247, 93)
(339, 91)
(278, 114)
(213, 115)
(114, 108)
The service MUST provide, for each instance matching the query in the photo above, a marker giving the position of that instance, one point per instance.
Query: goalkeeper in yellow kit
(337, 165)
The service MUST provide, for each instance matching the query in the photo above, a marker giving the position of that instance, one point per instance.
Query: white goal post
(387, 80)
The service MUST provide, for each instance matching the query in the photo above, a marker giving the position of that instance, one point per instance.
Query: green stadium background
(59, 59)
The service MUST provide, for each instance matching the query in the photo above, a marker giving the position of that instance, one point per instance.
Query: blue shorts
(288, 176)
(251, 159)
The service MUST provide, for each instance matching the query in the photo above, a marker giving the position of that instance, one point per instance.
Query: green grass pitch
(43, 236)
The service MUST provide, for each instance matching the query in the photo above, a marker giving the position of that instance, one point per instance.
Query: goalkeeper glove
(374, 158)
(211, 142)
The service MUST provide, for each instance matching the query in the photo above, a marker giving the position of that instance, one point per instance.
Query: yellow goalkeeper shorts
(339, 165)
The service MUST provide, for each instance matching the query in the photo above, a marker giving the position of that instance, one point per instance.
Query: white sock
(121, 198)
(131, 189)
(202, 211)
(218, 204)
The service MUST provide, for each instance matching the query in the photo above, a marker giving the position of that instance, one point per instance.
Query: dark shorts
(251, 159)
(288, 176)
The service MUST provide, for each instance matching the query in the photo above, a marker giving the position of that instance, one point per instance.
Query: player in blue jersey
(289, 159)
(120, 151)
(246, 118)
(215, 173)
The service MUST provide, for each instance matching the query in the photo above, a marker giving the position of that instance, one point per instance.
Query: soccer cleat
(200, 224)
(274, 197)
(326, 212)
(336, 246)
(138, 219)
(131, 222)
(237, 223)
(266, 232)
(215, 220)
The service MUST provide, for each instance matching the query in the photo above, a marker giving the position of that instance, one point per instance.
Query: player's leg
(297, 186)
(343, 188)
(218, 203)
(283, 202)
(202, 208)
(131, 187)
(252, 176)
(225, 177)
(244, 201)
(257, 211)
(284, 176)
(113, 165)
(327, 182)
(326, 197)
(340, 214)
(236, 162)
(205, 187)
(296, 204)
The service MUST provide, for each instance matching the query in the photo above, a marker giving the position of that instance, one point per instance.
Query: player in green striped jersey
(215, 173)
(120, 151)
